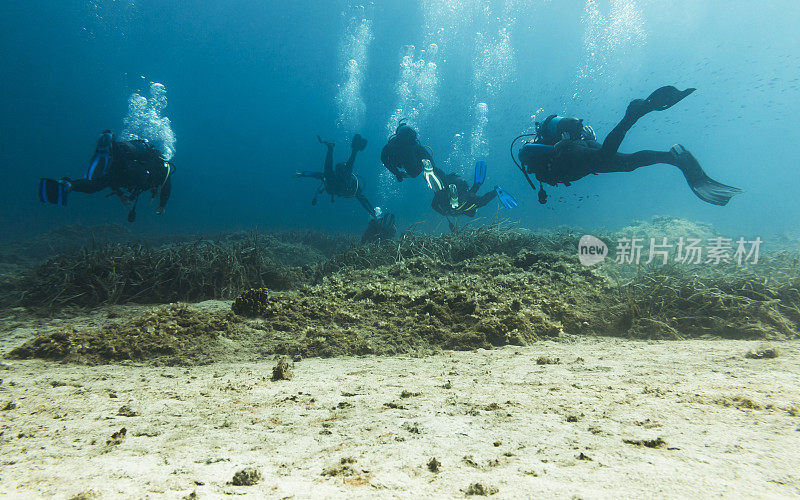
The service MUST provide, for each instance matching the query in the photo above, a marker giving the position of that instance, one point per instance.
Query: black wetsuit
(383, 228)
(572, 159)
(403, 154)
(575, 159)
(468, 200)
(135, 167)
(340, 180)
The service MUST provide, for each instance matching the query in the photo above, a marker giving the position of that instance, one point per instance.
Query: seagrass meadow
(313, 294)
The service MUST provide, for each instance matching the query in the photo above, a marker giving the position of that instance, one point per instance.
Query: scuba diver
(340, 181)
(557, 128)
(405, 157)
(566, 151)
(128, 168)
(460, 199)
(382, 227)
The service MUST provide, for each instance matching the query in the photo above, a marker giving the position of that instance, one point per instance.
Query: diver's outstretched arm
(365, 203)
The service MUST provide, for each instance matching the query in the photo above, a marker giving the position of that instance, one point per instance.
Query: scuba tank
(554, 128)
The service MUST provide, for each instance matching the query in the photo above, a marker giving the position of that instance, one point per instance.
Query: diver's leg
(484, 200)
(329, 160)
(348, 166)
(365, 203)
(661, 99)
(86, 186)
(629, 162)
(615, 137)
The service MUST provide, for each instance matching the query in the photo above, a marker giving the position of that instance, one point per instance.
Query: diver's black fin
(666, 97)
(359, 143)
(706, 188)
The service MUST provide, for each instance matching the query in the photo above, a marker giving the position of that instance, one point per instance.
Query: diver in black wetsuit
(404, 156)
(459, 198)
(576, 154)
(128, 168)
(380, 228)
(340, 181)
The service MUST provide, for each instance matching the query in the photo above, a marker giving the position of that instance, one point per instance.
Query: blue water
(251, 83)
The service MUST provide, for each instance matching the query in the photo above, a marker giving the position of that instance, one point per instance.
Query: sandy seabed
(574, 418)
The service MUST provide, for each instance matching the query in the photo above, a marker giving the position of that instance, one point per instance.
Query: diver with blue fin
(565, 151)
(405, 157)
(460, 199)
(340, 180)
(128, 168)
